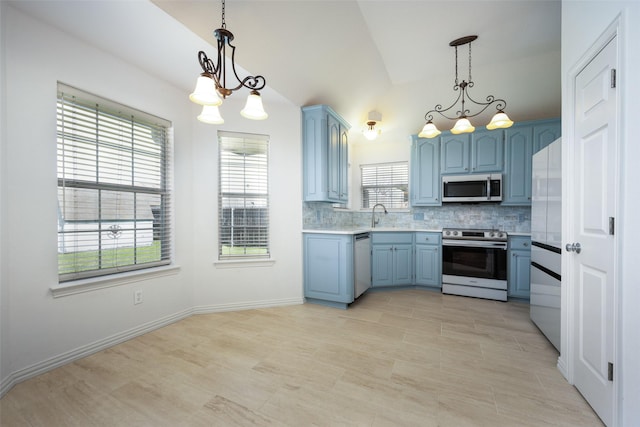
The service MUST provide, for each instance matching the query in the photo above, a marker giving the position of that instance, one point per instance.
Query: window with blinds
(114, 199)
(243, 196)
(386, 183)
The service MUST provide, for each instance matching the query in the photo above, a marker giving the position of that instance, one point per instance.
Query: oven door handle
(475, 244)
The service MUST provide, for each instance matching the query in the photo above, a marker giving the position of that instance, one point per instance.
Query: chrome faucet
(374, 221)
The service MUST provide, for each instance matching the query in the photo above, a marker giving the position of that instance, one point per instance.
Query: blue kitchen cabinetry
(392, 259)
(325, 155)
(428, 259)
(328, 269)
(519, 266)
(522, 141)
(425, 172)
(454, 152)
(481, 151)
(545, 132)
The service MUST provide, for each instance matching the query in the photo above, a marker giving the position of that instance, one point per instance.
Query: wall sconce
(371, 132)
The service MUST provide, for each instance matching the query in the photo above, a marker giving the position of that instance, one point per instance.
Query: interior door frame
(568, 309)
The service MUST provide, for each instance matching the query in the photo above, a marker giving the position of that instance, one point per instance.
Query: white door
(595, 176)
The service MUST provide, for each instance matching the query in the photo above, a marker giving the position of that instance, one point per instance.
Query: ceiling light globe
(205, 92)
(462, 126)
(500, 121)
(253, 109)
(371, 134)
(429, 131)
(211, 115)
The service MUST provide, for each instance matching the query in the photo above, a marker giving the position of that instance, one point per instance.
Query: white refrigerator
(546, 241)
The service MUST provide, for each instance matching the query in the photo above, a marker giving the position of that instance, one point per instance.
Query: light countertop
(357, 230)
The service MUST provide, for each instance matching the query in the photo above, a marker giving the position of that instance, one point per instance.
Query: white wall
(39, 331)
(582, 23)
(4, 324)
(218, 287)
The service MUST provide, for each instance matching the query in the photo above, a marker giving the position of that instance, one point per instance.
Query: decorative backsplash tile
(506, 218)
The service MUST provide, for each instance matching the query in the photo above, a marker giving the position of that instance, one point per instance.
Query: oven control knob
(455, 233)
(493, 234)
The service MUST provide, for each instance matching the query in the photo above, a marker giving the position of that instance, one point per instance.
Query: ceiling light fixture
(500, 119)
(370, 132)
(211, 84)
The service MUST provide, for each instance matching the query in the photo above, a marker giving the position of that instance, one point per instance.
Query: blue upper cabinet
(517, 177)
(325, 155)
(454, 152)
(481, 151)
(521, 141)
(425, 172)
(544, 133)
(487, 151)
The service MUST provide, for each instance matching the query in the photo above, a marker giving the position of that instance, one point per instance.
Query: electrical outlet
(137, 297)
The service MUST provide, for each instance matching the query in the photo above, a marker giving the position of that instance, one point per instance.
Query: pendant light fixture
(499, 121)
(211, 86)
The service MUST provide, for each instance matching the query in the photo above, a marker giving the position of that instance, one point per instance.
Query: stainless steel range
(474, 263)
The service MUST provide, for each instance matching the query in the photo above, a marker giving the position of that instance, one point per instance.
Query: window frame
(148, 181)
(255, 227)
(378, 166)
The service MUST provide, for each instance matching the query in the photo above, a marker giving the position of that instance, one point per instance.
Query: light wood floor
(400, 358)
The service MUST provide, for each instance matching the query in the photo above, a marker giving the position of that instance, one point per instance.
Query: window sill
(242, 263)
(94, 283)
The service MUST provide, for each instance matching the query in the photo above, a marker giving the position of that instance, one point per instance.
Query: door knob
(573, 247)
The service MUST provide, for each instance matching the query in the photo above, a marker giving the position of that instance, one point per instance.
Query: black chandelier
(499, 120)
(211, 86)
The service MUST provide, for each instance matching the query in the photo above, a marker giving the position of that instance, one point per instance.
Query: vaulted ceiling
(392, 56)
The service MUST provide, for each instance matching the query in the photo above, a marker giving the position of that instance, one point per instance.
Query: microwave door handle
(489, 187)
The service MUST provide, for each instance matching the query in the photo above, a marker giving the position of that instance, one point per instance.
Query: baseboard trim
(86, 350)
(250, 305)
(562, 367)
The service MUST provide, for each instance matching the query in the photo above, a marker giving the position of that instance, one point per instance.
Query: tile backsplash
(506, 218)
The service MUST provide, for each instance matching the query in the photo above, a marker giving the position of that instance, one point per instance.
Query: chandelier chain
(470, 63)
(456, 82)
(224, 24)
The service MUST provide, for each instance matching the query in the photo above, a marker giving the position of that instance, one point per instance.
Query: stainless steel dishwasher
(362, 263)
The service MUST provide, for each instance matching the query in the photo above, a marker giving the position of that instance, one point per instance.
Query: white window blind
(114, 204)
(386, 183)
(243, 196)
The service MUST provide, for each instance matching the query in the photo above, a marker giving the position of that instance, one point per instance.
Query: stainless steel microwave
(472, 188)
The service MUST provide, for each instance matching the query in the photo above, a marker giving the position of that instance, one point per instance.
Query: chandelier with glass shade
(211, 86)
(499, 121)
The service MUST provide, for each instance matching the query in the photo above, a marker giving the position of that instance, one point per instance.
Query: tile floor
(396, 358)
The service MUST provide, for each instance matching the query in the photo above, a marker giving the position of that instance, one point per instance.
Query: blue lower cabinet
(392, 259)
(328, 269)
(428, 259)
(519, 267)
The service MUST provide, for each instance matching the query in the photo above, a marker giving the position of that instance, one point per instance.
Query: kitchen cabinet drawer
(520, 243)
(391, 238)
(426, 238)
